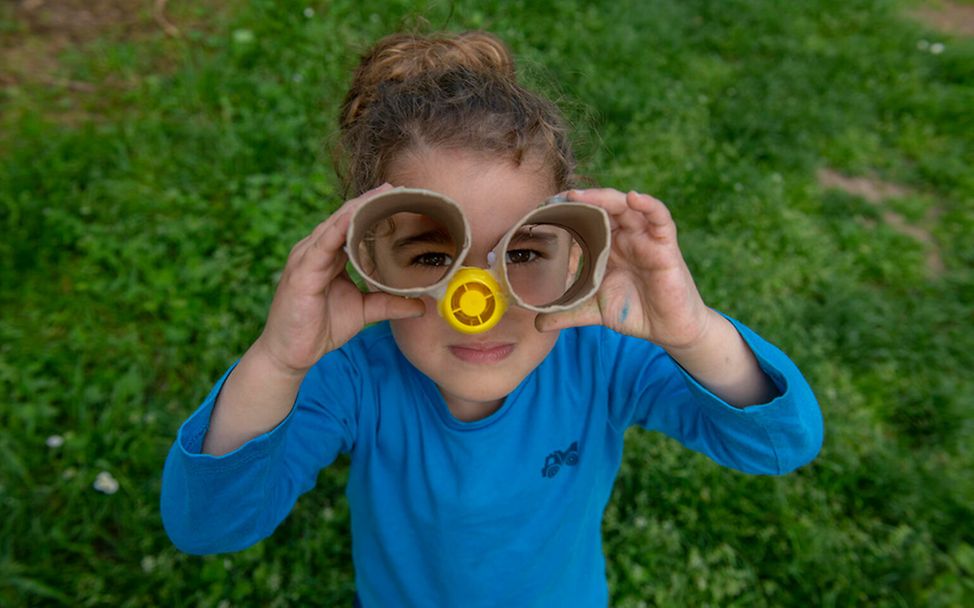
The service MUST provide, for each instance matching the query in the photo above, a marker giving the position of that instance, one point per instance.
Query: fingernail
(419, 313)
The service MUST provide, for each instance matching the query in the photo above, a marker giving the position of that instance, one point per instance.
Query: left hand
(647, 291)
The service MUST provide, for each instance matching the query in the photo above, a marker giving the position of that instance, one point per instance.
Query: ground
(947, 17)
(36, 33)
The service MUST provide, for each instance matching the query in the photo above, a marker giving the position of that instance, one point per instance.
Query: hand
(317, 307)
(647, 291)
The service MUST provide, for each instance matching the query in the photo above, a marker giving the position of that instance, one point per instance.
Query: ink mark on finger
(625, 312)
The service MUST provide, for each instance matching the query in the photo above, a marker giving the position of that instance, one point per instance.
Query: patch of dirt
(871, 189)
(36, 37)
(44, 29)
(76, 20)
(947, 17)
(876, 192)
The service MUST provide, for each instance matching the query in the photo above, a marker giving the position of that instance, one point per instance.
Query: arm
(315, 310)
(239, 463)
(254, 399)
(721, 361)
(649, 294)
(214, 504)
(649, 389)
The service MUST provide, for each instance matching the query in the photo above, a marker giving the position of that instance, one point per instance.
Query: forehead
(493, 193)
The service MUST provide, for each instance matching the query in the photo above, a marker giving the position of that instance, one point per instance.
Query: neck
(470, 411)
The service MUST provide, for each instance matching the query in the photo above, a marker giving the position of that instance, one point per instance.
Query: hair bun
(401, 57)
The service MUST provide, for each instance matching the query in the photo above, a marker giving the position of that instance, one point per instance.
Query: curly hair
(444, 91)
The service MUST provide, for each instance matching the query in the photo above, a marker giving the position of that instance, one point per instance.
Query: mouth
(487, 353)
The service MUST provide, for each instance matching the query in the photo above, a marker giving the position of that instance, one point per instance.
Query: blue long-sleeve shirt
(502, 511)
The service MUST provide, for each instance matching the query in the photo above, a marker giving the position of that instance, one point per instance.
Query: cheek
(542, 284)
(520, 322)
(413, 335)
(534, 345)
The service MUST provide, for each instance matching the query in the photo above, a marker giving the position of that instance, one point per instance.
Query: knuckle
(296, 253)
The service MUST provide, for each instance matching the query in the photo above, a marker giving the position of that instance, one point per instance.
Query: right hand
(317, 307)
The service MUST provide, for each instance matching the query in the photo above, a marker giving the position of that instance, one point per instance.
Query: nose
(474, 301)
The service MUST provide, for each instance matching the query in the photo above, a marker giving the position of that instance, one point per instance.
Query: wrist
(696, 334)
(264, 357)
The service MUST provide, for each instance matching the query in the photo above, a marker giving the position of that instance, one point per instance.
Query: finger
(380, 306)
(298, 250)
(609, 199)
(587, 313)
(332, 236)
(320, 258)
(347, 209)
(615, 203)
(324, 252)
(353, 203)
(612, 200)
(653, 209)
(329, 236)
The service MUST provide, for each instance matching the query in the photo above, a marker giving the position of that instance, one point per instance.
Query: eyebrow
(528, 234)
(436, 236)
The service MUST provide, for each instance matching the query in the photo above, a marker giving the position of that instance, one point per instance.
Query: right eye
(432, 259)
(522, 256)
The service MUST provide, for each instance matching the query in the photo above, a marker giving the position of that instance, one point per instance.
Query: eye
(432, 258)
(521, 256)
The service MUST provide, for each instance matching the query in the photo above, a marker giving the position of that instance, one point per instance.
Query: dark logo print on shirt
(558, 459)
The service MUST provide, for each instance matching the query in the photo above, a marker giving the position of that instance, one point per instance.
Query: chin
(478, 387)
(430, 346)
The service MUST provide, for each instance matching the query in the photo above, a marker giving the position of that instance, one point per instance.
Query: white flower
(274, 581)
(243, 36)
(105, 483)
(148, 563)
(54, 441)
(309, 12)
(936, 48)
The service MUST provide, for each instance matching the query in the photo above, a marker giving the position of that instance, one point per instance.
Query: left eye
(521, 256)
(432, 259)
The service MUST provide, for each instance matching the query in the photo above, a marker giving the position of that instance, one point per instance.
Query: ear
(574, 263)
(366, 260)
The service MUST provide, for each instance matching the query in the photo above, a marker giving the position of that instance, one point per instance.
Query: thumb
(381, 306)
(586, 313)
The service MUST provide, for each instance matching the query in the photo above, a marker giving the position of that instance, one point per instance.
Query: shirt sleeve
(649, 389)
(216, 504)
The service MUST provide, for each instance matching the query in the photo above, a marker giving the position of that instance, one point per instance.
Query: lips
(485, 353)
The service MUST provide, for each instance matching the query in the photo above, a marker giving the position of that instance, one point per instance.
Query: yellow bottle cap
(473, 302)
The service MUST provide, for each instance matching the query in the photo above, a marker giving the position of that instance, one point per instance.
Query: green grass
(144, 223)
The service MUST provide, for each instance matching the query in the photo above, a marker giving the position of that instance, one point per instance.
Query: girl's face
(475, 373)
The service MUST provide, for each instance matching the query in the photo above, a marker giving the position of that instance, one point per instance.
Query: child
(480, 464)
